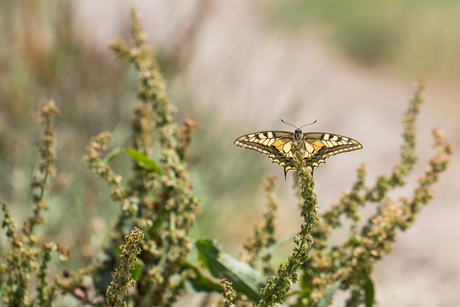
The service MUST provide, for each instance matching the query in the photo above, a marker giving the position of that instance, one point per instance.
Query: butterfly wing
(319, 146)
(278, 146)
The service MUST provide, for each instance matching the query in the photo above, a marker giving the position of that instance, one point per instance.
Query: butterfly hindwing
(278, 146)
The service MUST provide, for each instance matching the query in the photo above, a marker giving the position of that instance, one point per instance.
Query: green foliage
(144, 160)
(199, 281)
(157, 212)
(244, 278)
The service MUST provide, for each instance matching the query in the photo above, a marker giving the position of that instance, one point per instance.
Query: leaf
(369, 292)
(328, 294)
(305, 282)
(112, 155)
(144, 160)
(137, 272)
(244, 278)
(156, 224)
(201, 283)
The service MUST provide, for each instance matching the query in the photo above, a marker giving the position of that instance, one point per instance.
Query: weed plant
(146, 261)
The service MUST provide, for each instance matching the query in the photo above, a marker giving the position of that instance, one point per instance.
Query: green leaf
(369, 292)
(144, 160)
(244, 278)
(201, 283)
(305, 283)
(328, 294)
(137, 272)
(156, 224)
(112, 155)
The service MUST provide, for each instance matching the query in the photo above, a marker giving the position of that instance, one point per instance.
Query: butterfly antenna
(288, 123)
(308, 124)
(300, 127)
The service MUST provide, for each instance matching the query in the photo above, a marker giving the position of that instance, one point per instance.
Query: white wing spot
(287, 147)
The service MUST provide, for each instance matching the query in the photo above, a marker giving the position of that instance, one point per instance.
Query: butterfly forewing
(278, 146)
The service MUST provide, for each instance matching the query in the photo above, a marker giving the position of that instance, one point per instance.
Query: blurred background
(237, 67)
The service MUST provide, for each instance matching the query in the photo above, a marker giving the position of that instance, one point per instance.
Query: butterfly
(318, 146)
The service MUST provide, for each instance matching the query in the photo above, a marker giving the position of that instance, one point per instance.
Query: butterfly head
(298, 135)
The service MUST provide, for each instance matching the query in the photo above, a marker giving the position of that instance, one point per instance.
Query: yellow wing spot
(334, 138)
(317, 144)
(262, 136)
(270, 134)
(326, 136)
(279, 144)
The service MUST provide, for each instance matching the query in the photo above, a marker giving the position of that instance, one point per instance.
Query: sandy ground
(253, 76)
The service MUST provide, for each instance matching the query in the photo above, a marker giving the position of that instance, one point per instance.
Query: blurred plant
(264, 233)
(158, 204)
(159, 199)
(28, 257)
(46, 53)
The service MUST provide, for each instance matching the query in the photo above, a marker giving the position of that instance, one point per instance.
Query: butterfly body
(318, 146)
